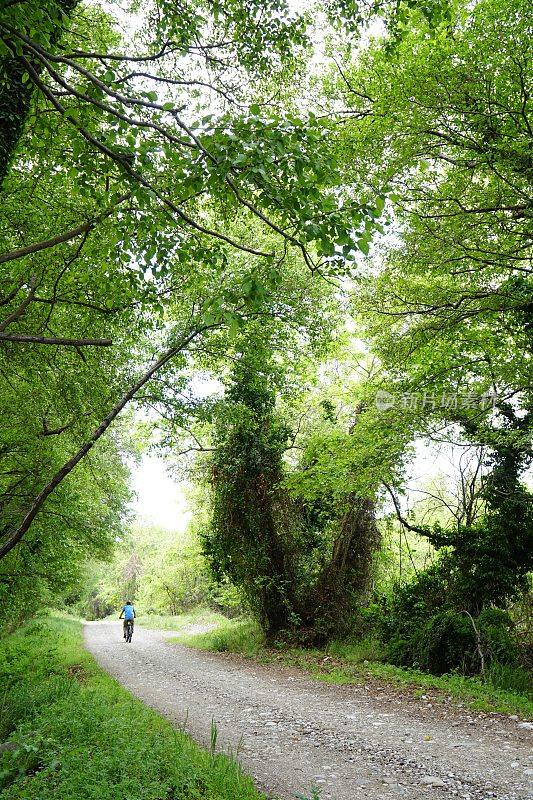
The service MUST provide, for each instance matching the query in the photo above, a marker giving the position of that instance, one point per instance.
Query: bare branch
(401, 518)
(23, 337)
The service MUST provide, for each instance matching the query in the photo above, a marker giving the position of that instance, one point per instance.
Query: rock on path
(292, 733)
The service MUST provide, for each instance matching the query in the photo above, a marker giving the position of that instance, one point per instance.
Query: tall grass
(197, 616)
(78, 735)
(234, 636)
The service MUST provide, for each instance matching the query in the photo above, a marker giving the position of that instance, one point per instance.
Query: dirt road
(293, 733)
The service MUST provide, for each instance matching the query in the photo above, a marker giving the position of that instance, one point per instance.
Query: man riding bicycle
(128, 615)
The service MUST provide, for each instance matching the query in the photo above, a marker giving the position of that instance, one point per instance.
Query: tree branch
(12, 294)
(62, 237)
(401, 519)
(16, 535)
(23, 337)
(136, 175)
(18, 312)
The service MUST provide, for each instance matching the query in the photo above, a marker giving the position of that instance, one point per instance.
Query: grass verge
(359, 663)
(196, 617)
(74, 733)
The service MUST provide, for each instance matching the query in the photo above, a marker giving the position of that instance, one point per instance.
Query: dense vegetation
(344, 257)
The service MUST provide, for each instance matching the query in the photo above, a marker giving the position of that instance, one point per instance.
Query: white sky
(160, 499)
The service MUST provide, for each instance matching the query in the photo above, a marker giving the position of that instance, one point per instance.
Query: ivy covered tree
(304, 564)
(246, 541)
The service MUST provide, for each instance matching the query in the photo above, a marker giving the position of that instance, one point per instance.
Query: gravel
(292, 733)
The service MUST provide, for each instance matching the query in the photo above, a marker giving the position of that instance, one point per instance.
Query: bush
(498, 636)
(410, 606)
(421, 629)
(447, 642)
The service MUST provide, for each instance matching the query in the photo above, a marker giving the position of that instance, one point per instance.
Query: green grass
(230, 635)
(507, 690)
(80, 736)
(198, 616)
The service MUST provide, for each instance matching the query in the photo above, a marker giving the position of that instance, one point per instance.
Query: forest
(285, 246)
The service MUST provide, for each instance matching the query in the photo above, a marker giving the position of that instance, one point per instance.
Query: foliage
(485, 561)
(81, 523)
(141, 209)
(162, 571)
(245, 541)
(15, 89)
(73, 724)
(174, 208)
(302, 565)
(446, 307)
(422, 628)
(444, 303)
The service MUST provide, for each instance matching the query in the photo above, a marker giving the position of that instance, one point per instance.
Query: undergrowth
(76, 734)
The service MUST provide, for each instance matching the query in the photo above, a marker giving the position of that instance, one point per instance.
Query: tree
(246, 541)
(298, 546)
(80, 523)
(145, 194)
(15, 88)
(446, 128)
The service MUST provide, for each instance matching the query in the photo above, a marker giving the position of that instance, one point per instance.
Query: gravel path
(292, 733)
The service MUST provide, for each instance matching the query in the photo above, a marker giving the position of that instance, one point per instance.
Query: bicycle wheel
(129, 632)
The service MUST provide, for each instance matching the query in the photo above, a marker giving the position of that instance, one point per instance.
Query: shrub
(498, 636)
(446, 642)
(420, 627)
(406, 611)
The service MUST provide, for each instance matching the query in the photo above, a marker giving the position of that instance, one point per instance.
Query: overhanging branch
(61, 237)
(16, 535)
(401, 518)
(23, 337)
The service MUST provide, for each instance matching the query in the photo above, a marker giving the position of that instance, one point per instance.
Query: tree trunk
(346, 578)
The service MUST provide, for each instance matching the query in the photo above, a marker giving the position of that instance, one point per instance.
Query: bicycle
(129, 630)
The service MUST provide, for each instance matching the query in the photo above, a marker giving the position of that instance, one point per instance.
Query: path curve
(293, 733)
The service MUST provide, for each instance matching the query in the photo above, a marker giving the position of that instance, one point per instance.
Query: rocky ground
(296, 735)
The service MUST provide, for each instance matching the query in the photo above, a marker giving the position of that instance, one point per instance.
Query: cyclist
(127, 614)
